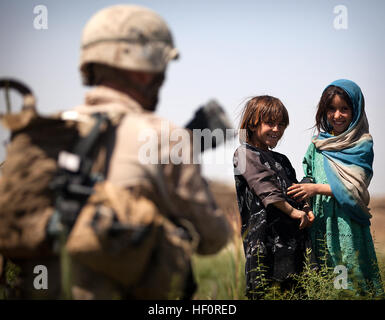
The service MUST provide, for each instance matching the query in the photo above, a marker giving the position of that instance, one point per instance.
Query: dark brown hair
(262, 109)
(328, 95)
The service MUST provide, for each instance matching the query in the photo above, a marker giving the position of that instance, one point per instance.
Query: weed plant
(222, 276)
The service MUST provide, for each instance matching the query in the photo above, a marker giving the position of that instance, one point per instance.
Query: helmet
(126, 37)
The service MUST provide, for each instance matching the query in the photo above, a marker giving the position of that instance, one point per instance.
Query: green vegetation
(8, 278)
(221, 276)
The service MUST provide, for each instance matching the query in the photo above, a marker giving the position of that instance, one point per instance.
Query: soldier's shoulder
(157, 122)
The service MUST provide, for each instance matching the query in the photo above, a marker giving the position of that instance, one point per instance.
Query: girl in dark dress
(273, 225)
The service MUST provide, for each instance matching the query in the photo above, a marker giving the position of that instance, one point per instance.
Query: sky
(230, 51)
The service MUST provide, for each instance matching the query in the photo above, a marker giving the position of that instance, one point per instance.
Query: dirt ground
(226, 198)
(377, 206)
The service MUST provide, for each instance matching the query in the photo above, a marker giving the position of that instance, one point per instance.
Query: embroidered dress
(348, 243)
(273, 244)
(342, 222)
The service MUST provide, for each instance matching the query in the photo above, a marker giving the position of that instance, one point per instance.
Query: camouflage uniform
(129, 37)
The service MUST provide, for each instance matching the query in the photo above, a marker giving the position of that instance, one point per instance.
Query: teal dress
(347, 242)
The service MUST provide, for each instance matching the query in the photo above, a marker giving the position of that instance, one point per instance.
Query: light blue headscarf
(348, 158)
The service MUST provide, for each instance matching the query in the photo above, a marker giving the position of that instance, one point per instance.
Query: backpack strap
(73, 183)
(72, 187)
(84, 145)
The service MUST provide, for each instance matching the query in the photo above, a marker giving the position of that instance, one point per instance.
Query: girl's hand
(311, 217)
(309, 212)
(302, 191)
(302, 216)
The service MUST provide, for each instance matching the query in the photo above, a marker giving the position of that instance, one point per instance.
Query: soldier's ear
(88, 75)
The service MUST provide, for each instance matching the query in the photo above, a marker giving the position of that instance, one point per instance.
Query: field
(221, 276)
(377, 206)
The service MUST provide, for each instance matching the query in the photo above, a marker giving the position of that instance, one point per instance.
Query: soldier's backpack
(53, 195)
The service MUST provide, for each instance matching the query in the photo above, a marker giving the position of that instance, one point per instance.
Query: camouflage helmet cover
(127, 37)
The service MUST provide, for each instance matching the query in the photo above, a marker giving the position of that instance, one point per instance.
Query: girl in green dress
(339, 163)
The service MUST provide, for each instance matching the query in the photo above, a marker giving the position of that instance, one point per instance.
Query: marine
(125, 50)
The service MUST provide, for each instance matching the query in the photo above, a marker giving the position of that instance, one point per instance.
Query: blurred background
(230, 51)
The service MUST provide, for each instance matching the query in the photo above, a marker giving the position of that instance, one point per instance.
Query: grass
(8, 278)
(221, 277)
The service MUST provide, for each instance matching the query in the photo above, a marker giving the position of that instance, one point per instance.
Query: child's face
(339, 115)
(267, 134)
